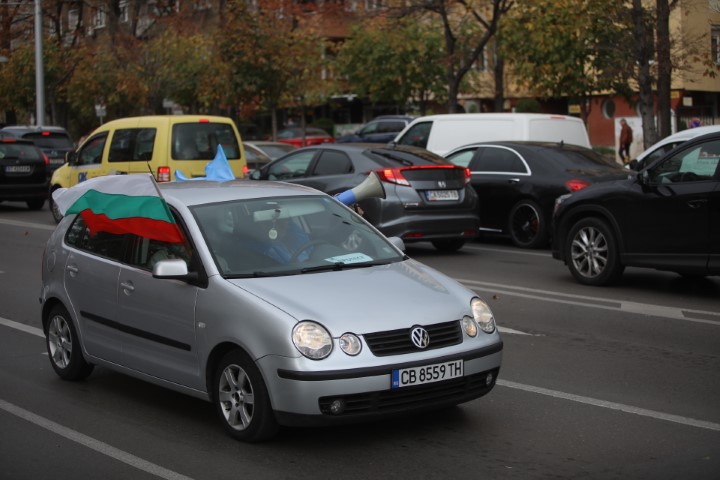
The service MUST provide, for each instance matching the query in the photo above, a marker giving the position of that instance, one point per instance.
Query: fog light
(337, 406)
(489, 379)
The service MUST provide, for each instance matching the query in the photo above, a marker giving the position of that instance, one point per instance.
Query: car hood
(363, 300)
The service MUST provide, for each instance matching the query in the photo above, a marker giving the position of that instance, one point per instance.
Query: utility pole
(39, 69)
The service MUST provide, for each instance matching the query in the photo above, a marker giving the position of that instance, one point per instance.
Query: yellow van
(161, 145)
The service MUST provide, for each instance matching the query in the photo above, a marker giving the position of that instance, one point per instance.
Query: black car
(666, 217)
(427, 197)
(517, 183)
(23, 175)
(382, 129)
(55, 142)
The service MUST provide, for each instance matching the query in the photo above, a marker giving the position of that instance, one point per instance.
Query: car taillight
(45, 158)
(246, 170)
(163, 174)
(393, 175)
(574, 185)
(468, 175)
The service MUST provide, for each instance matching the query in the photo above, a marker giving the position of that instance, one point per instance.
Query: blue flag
(216, 171)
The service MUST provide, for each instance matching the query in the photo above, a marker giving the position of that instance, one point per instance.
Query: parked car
(427, 197)
(296, 137)
(443, 133)
(161, 144)
(271, 149)
(349, 330)
(382, 129)
(23, 173)
(667, 217)
(254, 157)
(55, 142)
(659, 149)
(517, 183)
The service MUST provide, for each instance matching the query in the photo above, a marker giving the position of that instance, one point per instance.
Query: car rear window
(199, 141)
(50, 140)
(19, 151)
(404, 156)
(580, 159)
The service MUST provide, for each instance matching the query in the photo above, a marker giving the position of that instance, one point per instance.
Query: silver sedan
(281, 306)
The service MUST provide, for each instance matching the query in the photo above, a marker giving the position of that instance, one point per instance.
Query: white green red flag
(120, 204)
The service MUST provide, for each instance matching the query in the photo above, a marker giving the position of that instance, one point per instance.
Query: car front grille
(403, 399)
(396, 342)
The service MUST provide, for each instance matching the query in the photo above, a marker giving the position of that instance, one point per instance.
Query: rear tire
(591, 253)
(527, 225)
(241, 399)
(452, 245)
(63, 347)
(36, 203)
(57, 216)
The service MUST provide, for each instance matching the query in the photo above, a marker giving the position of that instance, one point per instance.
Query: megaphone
(370, 187)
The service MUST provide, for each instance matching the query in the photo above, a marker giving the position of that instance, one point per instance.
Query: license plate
(18, 169)
(427, 374)
(441, 195)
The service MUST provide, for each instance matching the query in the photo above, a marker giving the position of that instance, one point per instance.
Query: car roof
(522, 143)
(683, 135)
(199, 192)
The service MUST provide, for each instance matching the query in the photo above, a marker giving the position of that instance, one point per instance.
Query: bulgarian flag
(120, 204)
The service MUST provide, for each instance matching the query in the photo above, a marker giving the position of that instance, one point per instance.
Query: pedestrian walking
(626, 138)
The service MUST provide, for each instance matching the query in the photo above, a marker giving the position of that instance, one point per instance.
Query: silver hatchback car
(280, 305)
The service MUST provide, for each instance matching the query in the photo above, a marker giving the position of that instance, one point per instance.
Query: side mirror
(255, 175)
(397, 243)
(173, 269)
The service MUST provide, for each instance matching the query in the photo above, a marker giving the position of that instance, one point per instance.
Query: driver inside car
(283, 240)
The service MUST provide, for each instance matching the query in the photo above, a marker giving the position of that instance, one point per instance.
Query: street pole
(39, 77)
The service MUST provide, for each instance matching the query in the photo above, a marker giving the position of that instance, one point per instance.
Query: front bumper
(303, 398)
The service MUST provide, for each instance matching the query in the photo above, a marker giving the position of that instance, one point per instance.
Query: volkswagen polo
(273, 301)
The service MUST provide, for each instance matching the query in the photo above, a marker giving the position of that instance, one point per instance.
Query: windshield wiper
(343, 266)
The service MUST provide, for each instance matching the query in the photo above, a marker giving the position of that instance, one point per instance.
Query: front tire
(528, 225)
(591, 253)
(63, 347)
(241, 399)
(452, 245)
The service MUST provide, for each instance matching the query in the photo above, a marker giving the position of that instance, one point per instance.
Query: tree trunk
(499, 73)
(643, 39)
(664, 68)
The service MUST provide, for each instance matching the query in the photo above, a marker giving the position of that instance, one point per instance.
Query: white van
(442, 133)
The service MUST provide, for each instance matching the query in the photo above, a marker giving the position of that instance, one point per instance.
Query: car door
(497, 175)
(158, 315)
(668, 221)
(87, 162)
(714, 260)
(91, 274)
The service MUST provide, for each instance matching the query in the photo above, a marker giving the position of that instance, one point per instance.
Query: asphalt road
(620, 382)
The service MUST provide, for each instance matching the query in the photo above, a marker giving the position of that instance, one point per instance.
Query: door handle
(513, 180)
(72, 270)
(127, 286)
(697, 203)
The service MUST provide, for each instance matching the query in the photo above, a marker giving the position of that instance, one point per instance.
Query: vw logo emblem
(420, 337)
(442, 184)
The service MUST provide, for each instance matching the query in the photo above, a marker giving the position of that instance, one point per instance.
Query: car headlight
(469, 326)
(350, 344)
(483, 315)
(312, 340)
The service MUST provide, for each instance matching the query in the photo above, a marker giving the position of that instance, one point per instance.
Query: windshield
(288, 236)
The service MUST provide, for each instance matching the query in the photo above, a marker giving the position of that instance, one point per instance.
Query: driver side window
(695, 165)
(293, 167)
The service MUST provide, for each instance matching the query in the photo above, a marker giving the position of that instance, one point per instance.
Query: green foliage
(528, 105)
(326, 124)
(393, 61)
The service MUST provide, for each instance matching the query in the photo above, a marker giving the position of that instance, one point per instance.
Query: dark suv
(23, 175)
(382, 129)
(666, 217)
(55, 142)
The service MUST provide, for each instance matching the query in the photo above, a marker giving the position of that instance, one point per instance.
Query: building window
(73, 18)
(99, 17)
(124, 11)
(715, 44)
(608, 108)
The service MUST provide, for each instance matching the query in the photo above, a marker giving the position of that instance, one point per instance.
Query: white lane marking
(691, 422)
(91, 443)
(514, 252)
(22, 327)
(516, 332)
(17, 223)
(595, 302)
